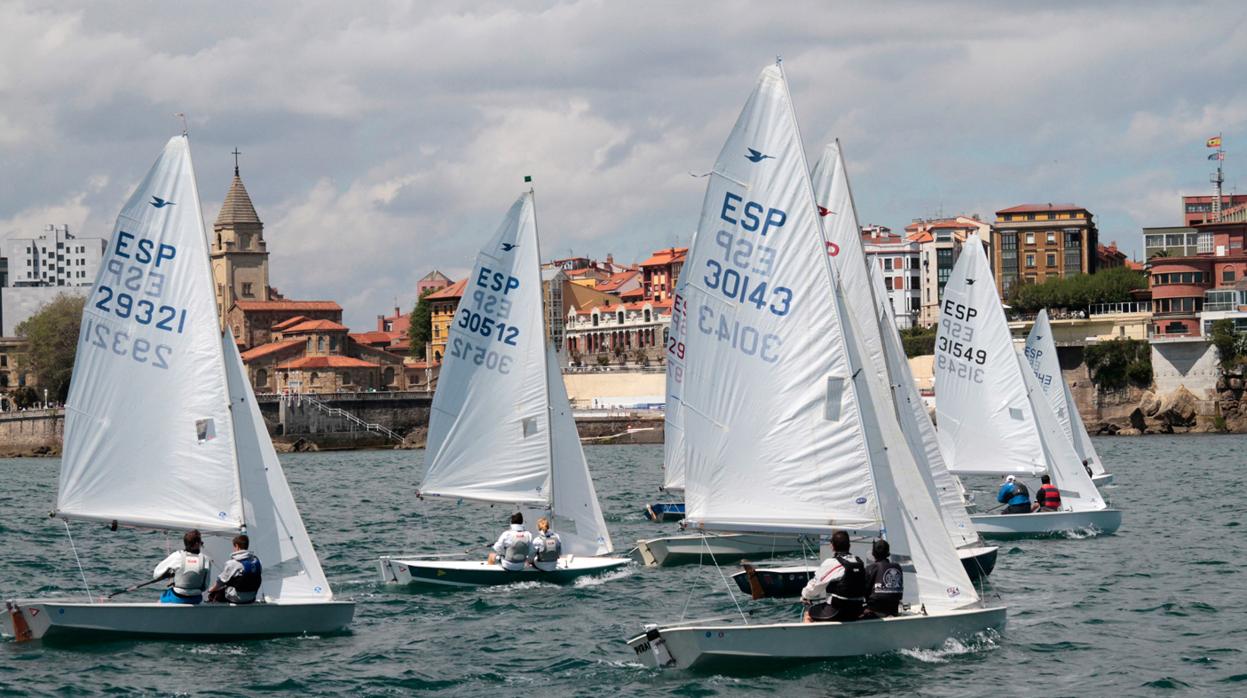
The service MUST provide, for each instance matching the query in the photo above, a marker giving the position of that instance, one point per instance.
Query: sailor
(1015, 495)
(546, 547)
(837, 591)
(887, 582)
(240, 580)
(189, 568)
(513, 546)
(1048, 498)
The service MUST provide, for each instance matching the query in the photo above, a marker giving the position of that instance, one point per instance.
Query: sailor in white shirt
(513, 546)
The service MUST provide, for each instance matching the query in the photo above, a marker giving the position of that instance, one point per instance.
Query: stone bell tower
(239, 254)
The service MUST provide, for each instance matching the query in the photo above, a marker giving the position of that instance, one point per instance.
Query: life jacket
(1020, 490)
(552, 547)
(517, 552)
(887, 581)
(852, 586)
(1048, 497)
(191, 578)
(247, 582)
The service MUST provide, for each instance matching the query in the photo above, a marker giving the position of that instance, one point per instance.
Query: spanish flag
(1214, 142)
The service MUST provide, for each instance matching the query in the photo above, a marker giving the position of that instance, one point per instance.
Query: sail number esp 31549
(954, 347)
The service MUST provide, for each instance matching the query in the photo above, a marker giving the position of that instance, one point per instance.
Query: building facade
(442, 306)
(55, 258)
(1198, 209)
(320, 356)
(238, 251)
(615, 333)
(430, 282)
(899, 262)
(1036, 242)
(1182, 285)
(940, 241)
(252, 322)
(661, 272)
(1173, 241)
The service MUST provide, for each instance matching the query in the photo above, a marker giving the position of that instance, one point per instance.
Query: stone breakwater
(31, 433)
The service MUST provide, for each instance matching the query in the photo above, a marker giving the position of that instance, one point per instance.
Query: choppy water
(1156, 609)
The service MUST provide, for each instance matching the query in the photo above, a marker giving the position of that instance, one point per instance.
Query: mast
(1217, 180)
(532, 194)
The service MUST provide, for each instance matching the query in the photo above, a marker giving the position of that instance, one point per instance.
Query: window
(1227, 276)
(887, 264)
(261, 378)
(620, 317)
(595, 319)
(1030, 238)
(1051, 237)
(320, 344)
(1051, 259)
(246, 289)
(1030, 261)
(647, 315)
(314, 378)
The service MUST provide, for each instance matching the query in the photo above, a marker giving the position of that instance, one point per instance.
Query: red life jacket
(1048, 497)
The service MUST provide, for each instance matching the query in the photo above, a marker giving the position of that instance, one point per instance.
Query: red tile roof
(316, 326)
(633, 293)
(290, 322)
(271, 348)
(327, 362)
(287, 306)
(665, 257)
(1041, 208)
(451, 292)
(374, 337)
(616, 280)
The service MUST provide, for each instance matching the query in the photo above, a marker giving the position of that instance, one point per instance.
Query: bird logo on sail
(969, 282)
(160, 203)
(824, 211)
(757, 156)
(508, 246)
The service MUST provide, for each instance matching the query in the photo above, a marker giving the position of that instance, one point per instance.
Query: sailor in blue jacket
(1015, 495)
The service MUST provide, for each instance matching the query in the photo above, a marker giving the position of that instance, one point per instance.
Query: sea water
(1157, 608)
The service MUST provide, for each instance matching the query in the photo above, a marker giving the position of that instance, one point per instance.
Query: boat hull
(781, 582)
(1046, 523)
(53, 619)
(726, 547)
(694, 646)
(476, 573)
(665, 511)
(1102, 480)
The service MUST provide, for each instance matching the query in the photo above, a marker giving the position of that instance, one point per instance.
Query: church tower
(239, 254)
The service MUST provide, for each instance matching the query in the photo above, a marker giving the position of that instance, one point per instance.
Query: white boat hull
(1102, 480)
(724, 547)
(475, 573)
(1046, 523)
(699, 645)
(80, 620)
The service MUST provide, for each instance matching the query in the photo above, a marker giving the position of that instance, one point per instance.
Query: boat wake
(1080, 533)
(598, 579)
(952, 647)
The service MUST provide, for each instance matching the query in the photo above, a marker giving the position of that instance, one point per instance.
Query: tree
(1078, 291)
(1230, 343)
(53, 336)
(420, 329)
(918, 340)
(1118, 363)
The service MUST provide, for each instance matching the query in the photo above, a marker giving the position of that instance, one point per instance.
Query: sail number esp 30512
(486, 314)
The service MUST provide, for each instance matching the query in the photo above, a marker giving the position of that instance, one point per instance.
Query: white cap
(1010, 478)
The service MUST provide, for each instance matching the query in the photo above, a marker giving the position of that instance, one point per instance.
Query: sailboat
(993, 416)
(501, 429)
(673, 416)
(162, 432)
(867, 299)
(785, 431)
(1041, 353)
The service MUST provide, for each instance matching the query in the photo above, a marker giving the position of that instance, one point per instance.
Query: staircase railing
(339, 412)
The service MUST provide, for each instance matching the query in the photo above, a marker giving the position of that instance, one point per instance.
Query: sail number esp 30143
(742, 273)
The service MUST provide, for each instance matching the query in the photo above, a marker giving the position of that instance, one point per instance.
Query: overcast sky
(382, 140)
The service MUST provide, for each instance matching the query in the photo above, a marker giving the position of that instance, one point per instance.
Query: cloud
(384, 140)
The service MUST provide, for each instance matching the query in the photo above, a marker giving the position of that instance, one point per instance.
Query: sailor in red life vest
(837, 591)
(1048, 498)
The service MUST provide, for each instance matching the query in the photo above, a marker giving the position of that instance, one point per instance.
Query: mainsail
(677, 353)
(864, 293)
(986, 423)
(502, 428)
(148, 436)
(773, 436)
(1041, 354)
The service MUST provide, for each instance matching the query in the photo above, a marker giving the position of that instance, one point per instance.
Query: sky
(382, 140)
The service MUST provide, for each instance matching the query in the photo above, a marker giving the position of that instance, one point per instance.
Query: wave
(952, 647)
(599, 579)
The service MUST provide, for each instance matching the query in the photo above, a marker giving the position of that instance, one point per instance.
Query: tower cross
(236, 152)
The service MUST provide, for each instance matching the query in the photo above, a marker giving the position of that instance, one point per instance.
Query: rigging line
(726, 584)
(77, 560)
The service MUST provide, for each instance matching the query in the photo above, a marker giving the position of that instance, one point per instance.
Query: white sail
(773, 437)
(578, 517)
(489, 434)
(148, 436)
(986, 422)
(1078, 493)
(865, 295)
(1042, 355)
(291, 568)
(677, 353)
